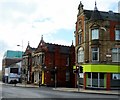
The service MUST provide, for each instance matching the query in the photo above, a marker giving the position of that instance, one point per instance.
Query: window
(95, 54)
(14, 70)
(95, 34)
(79, 38)
(67, 76)
(116, 55)
(116, 76)
(67, 61)
(80, 55)
(117, 34)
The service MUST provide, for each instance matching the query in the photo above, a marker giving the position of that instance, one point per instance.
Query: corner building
(97, 48)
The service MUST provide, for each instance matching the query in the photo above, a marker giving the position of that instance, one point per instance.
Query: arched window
(80, 55)
(95, 33)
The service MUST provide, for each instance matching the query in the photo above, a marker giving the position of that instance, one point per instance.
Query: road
(47, 92)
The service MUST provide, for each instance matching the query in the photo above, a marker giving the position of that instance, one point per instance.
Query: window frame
(80, 55)
(80, 38)
(93, 34)
(117, 53)
(117, 34)
(95, 52)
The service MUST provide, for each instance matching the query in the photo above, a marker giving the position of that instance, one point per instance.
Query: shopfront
(101, 76)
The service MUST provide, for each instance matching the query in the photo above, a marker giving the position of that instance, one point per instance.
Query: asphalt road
(10, 92)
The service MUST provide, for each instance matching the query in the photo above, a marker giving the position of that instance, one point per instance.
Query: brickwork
(106, 23)
(57, 61)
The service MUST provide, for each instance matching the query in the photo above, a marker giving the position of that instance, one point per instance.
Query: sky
(27, 20)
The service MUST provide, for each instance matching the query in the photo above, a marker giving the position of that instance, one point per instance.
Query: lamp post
(55, 76)
(22, 60)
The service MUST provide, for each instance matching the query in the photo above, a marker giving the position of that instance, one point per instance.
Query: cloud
(27, 20)
(102, 5)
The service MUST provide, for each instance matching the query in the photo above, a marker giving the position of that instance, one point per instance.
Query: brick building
(10, 57)
(52, 64)
(97, 48)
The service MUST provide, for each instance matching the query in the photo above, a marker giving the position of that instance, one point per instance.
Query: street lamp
(22, 61)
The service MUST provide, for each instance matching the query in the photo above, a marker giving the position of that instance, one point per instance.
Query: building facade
(10, 57)
(27, 65)
(97, 48)
(51, 64)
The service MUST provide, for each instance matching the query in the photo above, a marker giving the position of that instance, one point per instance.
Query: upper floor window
(68, 60)
(80, 55)
(79, 38)
(117, 34)
(95, 34)
(116, 55)
(95, 54)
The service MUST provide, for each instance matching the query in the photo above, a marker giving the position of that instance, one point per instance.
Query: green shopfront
(101, 76)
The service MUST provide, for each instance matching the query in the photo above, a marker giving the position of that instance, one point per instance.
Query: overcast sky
(26, 20)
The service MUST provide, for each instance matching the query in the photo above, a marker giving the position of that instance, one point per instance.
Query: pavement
(81, 90)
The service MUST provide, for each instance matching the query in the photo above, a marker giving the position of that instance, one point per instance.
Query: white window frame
(95, 34)
(117, 34)
(80, 55)
(95, 52)
(116, 51)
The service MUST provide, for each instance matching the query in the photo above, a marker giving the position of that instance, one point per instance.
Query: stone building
(97, 47)
(27, 65)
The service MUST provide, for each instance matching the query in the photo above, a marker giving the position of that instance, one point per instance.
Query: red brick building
(97, 47)
(52, 64)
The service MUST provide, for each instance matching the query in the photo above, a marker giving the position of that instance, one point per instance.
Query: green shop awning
(101, 68)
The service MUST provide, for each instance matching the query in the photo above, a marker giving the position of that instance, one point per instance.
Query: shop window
(95, 75)
(89, 75)
(102, 75)
(116, 76)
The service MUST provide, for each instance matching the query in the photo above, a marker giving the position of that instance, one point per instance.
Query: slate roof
(112, 16)
(63, 49)
(96, 14)
(43, 46)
